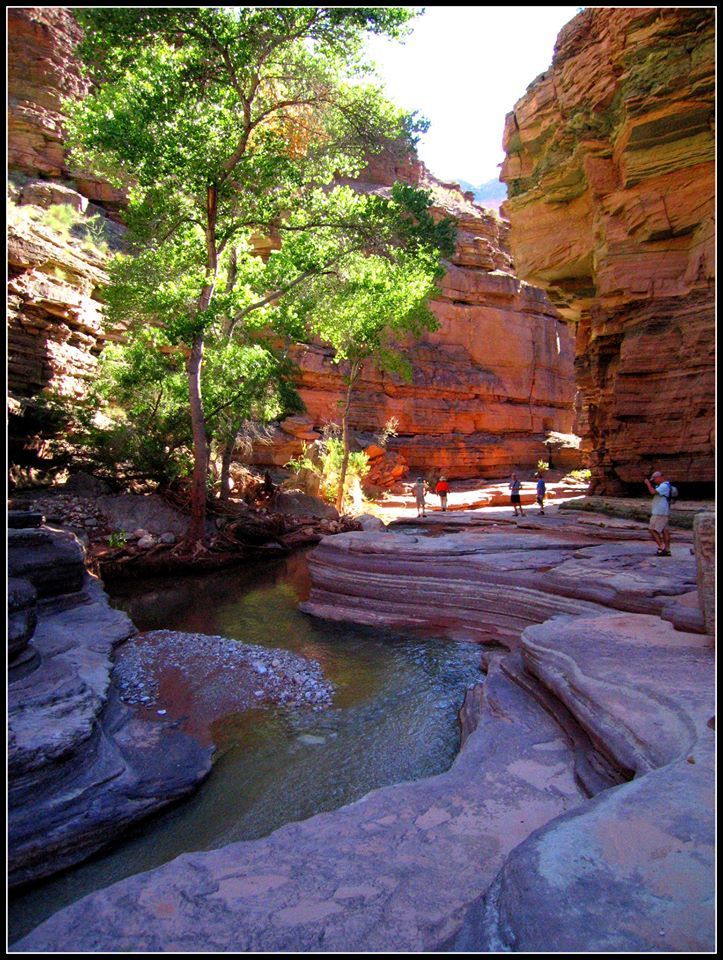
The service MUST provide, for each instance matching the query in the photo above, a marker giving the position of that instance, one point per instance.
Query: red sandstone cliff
(610, 173)
(487, 385)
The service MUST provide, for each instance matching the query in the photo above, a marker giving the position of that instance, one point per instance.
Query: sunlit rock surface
(465, 577)
(633, 869)
(610, 174)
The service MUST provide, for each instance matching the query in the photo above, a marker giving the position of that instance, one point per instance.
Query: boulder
(52, 560)
(369, 522)
(296, 503)
(82, 484)
(149, 513)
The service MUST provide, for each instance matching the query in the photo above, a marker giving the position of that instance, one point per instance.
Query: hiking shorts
(659, 523)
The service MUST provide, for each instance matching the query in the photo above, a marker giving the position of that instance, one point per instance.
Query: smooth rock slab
(633, 870)
(487, 584)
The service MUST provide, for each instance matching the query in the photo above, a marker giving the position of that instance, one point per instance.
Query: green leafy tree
(228, 126)
(371, 304)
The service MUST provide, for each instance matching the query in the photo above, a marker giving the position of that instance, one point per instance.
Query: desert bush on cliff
(229, 127)
(69, 223)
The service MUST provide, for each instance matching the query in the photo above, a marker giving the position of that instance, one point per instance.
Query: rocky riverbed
(579, 812)
(197, 679)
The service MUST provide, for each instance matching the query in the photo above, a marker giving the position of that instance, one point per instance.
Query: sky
(463, 68)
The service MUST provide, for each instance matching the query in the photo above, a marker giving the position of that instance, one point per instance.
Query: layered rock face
(81, 763)
(610, 166)
(55, 269)
(42, 73)
(486, 385)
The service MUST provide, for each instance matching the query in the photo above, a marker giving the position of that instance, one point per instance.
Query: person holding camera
(660, 511)
(515, 489)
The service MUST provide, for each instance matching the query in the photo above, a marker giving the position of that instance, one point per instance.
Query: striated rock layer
(81, 763)
(610, 173)
(487, 385)
(467, 578)
(42, 73)
(55, 271)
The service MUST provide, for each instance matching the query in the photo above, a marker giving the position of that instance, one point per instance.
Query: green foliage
(326, 464)
(583, 475)
(542, 466)
(140, 391)
(117, 539)
(230, 125)
(61, 218)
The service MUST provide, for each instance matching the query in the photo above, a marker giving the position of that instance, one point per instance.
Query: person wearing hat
(660, 511)
(442, 489)
(420, 489)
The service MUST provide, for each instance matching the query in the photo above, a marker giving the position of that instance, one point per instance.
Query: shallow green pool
(394, 718)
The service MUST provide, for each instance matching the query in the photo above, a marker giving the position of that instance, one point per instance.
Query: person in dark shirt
(515, 486)
(541, 492)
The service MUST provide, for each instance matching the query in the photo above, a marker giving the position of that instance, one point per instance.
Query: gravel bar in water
(197, 678)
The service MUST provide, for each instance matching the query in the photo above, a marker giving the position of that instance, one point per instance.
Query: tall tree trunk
(197, 526)
(345, 437)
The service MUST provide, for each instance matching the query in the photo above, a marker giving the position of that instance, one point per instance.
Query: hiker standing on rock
(420, 489)
(660, 511)
(515, 486)
(541, 492)
(442, 489)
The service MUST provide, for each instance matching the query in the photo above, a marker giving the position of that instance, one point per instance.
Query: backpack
(673, 495)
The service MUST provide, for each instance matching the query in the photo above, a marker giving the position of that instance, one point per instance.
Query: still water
(394, 718)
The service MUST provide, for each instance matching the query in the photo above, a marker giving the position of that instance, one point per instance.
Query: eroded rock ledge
(81, 764)
(507, 850)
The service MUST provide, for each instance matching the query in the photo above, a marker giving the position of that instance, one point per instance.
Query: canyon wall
(610, 174)
(487, 385)
(55, 269)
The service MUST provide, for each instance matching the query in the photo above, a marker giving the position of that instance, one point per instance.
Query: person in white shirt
(660, 511)
(420, 489)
